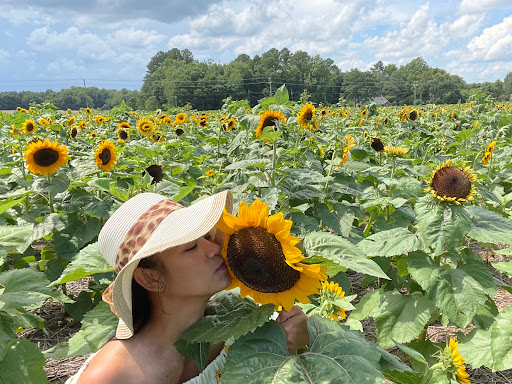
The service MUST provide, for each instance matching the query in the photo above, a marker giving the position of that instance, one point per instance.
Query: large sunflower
(263, 260)
(29, 126)
(306, 115)
(145, 127)
(106, 156)
(269, 119)
(44, 157)
(449, 183)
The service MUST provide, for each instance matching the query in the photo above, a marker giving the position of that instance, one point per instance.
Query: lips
(222, 266)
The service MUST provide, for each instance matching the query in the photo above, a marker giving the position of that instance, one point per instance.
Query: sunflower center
(268, 122)
(256, 258)
(46, 157)
(451, 182)
(123, 135)
(105, 156)
(308, 115)
(30, 127)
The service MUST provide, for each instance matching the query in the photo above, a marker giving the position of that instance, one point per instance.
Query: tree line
(174, 79)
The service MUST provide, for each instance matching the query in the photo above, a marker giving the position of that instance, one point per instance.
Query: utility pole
(270, 85)
(249, 96)
(415, 84)
(85, 92)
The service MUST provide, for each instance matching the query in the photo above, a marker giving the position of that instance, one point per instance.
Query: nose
(212, 248)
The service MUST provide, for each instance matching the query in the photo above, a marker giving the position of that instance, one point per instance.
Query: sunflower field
(385, 224)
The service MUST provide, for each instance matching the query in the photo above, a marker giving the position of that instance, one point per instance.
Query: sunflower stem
(274, 161)
(393, 167)
(218, 140)
(50, 196)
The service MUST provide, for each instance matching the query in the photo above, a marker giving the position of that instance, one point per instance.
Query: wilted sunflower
(306, 114)
(330, 291)
(181, 117)
(263, 260)
(123, 134)
(155, 171)
(73, 133)
(486, 158)
(124, 125)
(453, 115)
(106, 156)
(269, 119)
(396, 151)
(377, 144)
(145, 127)
(29, 126)
(449, 183)
(44, 157)
(179, 131)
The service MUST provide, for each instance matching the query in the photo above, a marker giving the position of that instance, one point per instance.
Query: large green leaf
(228, 315)
(5, 205)
(40, 230)
(342, 252)
(88, 262)
(335, 355)
(26, 288)
(401, 318)
(491, 348)
(490, 227)
(441, 225)
(98, 327)
(456, 293)
(397, 241)
(22, 362)
(504, 266)
(15, 235)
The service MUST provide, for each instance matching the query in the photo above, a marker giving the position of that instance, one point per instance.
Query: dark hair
(141, 305)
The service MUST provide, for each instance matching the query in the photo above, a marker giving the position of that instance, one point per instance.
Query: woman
(168, 264)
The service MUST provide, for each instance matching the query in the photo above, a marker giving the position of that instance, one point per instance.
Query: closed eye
(191, 248)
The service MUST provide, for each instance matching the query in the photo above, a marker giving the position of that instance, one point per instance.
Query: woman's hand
(294, 324)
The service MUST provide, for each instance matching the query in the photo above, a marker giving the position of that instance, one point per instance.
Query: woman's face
(194, 269)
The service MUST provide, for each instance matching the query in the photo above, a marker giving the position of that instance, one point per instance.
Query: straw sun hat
(147, 224)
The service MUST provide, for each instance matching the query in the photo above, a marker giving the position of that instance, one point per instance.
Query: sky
(56, 44)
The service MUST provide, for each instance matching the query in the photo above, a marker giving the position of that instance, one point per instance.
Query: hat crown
(126, 220)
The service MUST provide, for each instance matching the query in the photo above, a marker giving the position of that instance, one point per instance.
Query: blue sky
(55, 44)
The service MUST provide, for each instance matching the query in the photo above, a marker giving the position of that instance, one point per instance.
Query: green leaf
(228, 315)
(40, 230)
(101, 184)
(411, 352)
(7, 327)
(281, 96)
(491, 348)
(243, 164)
(489, 227)
(198, 352)
(88, 262)
(504, 266)
(98, 327)
(57, 184)
(368, 305)
(146, 152)
(335, 355)
(22, 362)
(75, 235)
(15, 235)
(26, 288)
(441, 225)
(342, 252)
(401, 318)
(10, 203)
(458, 295)
(184, 191)
(397, 241)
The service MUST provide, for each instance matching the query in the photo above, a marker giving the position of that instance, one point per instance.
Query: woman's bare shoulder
(118, 362)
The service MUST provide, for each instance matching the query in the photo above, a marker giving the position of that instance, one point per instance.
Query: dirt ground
(60, 327)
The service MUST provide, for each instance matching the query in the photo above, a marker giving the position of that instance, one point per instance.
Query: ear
(147, 278)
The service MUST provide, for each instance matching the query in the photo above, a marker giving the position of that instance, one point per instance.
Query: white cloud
(65, 65)
(420, 36)
(4, 54)
(353, 63)
(479, 6)
(136, 38)
(464, 26)
(495, 43)
(87, 45)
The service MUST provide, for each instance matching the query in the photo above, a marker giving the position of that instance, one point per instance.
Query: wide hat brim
(179, 227)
